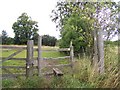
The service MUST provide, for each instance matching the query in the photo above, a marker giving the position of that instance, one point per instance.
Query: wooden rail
(59, 65)
(58, 58)
(12, 47)
(57, 50)
(18, 67)
(16, 47)
(13, 58)
(11, 75)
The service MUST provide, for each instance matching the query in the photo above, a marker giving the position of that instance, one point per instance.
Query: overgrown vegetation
(83, 75)
(76, 22)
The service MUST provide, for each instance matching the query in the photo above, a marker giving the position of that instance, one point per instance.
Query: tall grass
(110, 79)
(85, 77)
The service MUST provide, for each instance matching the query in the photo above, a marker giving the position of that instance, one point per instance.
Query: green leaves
(25, 29)
(76, 28)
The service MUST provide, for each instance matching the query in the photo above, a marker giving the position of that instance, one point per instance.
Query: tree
(5, 39)
(78, 30)
(48, 40)
(75, 22)
(10, 40)
(25, 29)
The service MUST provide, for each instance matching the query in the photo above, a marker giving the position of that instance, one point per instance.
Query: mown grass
(6, 53)
(83, 74)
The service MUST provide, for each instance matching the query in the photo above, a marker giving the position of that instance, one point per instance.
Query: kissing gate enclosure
(30, 62)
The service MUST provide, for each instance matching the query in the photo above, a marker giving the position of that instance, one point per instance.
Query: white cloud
(39, 10)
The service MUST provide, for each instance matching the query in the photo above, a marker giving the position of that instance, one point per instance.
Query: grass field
(83, 73)
(6, 53)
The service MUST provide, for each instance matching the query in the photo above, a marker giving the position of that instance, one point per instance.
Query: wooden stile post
(29, 60)
(100, 51)
(100, 45)
(39, 54)
(71, 54)
(95, 58)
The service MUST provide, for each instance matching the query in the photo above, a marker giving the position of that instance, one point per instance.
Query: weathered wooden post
(71, 54)
(39, 54)
(29, 60)
(100, 51)
(98, 46)
(118, 41)
(95, 57)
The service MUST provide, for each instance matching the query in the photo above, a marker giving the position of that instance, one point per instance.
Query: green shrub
(8, 83)
(33, 82)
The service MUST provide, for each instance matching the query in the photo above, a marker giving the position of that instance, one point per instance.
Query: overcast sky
(38, 10)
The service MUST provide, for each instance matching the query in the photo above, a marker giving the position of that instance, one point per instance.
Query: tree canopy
(25, 29)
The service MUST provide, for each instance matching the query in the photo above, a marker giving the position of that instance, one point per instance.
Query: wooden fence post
(100, 51)
(71, 54)
(39, 54)
(29, 60)
(95, 57)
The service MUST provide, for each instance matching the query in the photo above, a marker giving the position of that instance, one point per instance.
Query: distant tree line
(117, 43)
(47, 40)
(5, 39)
(26, 29)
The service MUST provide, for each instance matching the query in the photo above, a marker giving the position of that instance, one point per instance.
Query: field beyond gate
(14, 60)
